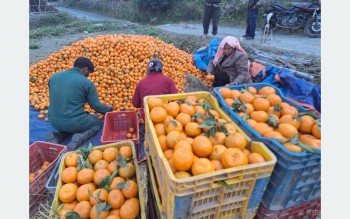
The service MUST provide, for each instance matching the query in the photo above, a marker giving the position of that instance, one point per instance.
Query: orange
(158, 114)
(82, 192)
(199, 110)
(273, 134)
(225, 92)
(69, 175)
(115, 198)
(168, 154)
(125, 151)
(252, 90)
(202, 146)
(306, 124)
(67, 192)
(292, 147)
(116, 180)
(115, 212)
(183, 118)
(112, 166)
(71, 160)
(192, 99)
(95, 155)
(101, 164)
(289, 110)
(102, 197)
(229, 101)
(259, 116)
(262, 128)
(160, 129)
(189, 140)
(63, 212)
(230, 128)
(162, 142)
(218, 138)
(274, 111)
(171, 164)
(101, 175)
(192, 129)
(183, 144)
(110, 216)
(130, 208)
(290, 119)
(172, 138)
(188, 109)
(85, 175)
(102, 215)
(131, 189)
(304, 138)
(246, 151)
(251, 122)
(110, 154)
(287, 130)
(233, 157)
(127, 171)
(217, 152)
(174, 125)
(262, 104)
(83, 208)
(246, 97)
(70, 205)
(182, 159)
(316, 131)
(274, 99)
(255, 158)
(202, 166)
(217, 164)
(214, 113)
(182, 174)
(266, 90)
(249, 108)
(236, 140)
(235, 93)
(154, 102)
(172, 109)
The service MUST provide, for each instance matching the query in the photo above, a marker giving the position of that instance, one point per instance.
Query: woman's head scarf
(232, 42)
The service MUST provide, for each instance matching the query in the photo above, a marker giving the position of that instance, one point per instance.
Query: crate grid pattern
(181, 197)
(52, 181)
(296, 177)
(38, 153)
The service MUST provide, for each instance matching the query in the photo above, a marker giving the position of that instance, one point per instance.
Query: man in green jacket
(69, 91)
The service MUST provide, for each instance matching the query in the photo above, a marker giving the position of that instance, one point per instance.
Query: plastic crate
(307, 210)
(116, 127)
(56, 202)
(38, 153)
(52, 181)
(153, 202)
(297, 176)
(201, 196)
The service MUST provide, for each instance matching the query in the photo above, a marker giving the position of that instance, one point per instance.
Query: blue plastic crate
(297, 176)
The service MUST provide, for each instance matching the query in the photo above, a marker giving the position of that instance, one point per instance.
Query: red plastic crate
(307, 210)
(116, 127)
(38, 153)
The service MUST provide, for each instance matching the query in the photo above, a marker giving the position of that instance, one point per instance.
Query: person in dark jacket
(69, 91)
(253, 10)
(212, 11)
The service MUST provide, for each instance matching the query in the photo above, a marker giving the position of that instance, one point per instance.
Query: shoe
(249, 38)
(246, 35)
(79, 138)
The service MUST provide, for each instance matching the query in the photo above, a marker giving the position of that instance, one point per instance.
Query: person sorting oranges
(69, 91)
(230, 65)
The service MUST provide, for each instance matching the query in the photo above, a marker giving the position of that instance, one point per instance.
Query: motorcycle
(300, 15)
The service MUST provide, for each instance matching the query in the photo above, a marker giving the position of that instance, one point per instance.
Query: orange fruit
(249, 108)
(202, 166)
(94, 215)
(115, 198)
(154, 102)
(273, 134)
(110, 154)
(182, 174)
(130, 208)
(214, 113)
(266, 90)
(168, 154)
(233, 157)
(225, 92)
(251, 122)
(291, 110)
(218, 138)
(160, 129)
(274, 99)
(202, 146)
(230, 128)
(316, 131)
(262, 128)
(259, 116)
(171, 164)
(83, 208)
(102, 197)
(246, 151)
(172, 109)
(306, 124)
(127, 171)
(101, 164)
(125, 151)
(95, 155)
(67, 192)
(292, 147)
(82, 192)
(70, 205)
(116, 180)
(182, 159)
(183, 118)
(255, 158)
(287, 130)
(188, 109)
(229, 102)
(192, 99)
(115, 212)
(290, 119)
(71, 160)
(235, 93)
(85, 175)
(199, 110)
(217, 152)
(217, 164)
(158, 114)
(174, 125)
(246, 97)
(162, 142)
(236, 140)
(183, 144)
(112, 166)
(252, 90)
(69, 175)
(262, 104)
(192, 129)
(131, 130)
(189, 140)
(172, 138)
(274, 111)
(101, 175)
(63, 212)
(131, 189)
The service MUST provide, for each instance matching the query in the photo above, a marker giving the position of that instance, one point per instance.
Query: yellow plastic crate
(56, 202)
(202, 196)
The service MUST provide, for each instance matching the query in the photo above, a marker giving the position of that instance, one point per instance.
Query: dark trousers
(251, 21)
(211, 13)
(221, 78)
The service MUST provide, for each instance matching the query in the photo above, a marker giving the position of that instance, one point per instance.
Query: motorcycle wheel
(313, 29)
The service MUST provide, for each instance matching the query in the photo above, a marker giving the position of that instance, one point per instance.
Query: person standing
(212, 11)
(253, 10)
(69, 91)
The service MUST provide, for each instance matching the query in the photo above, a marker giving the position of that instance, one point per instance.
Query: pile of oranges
(131, 133)
(101, 186)
(120, 63)
(270, 116)
(190, 145)
(32, 175)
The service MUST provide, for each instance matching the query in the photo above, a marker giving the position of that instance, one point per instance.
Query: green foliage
(155, 5)
(51, 20)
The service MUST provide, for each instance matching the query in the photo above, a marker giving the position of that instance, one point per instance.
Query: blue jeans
(251, 21)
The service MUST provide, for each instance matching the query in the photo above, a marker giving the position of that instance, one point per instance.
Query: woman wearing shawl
(230, 65)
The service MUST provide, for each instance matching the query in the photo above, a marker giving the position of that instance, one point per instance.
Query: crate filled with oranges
(292, 132)
(98, 182)
(43, 157)
(205, 165)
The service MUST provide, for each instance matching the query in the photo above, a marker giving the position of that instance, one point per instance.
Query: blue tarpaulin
(203, 56)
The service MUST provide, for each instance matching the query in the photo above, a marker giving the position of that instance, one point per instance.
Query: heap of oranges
(131, 133)
(34, 174)
(120, 63)
(104, 187)
(190, 147)
(270, 116)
